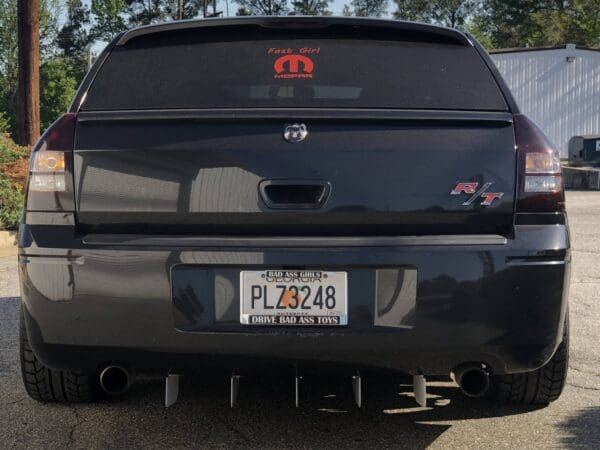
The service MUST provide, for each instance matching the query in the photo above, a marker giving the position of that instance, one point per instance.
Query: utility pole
(29, 71)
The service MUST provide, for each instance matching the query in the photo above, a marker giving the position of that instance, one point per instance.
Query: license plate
(293, 297)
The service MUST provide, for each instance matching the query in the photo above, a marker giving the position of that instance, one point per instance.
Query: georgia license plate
(293, 297)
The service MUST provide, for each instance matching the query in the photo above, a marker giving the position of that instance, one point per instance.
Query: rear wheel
(49, 385)
(539, 387)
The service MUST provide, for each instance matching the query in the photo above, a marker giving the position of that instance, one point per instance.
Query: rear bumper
(90, 301)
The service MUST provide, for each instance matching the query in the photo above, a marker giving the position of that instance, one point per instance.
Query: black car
(310, 193)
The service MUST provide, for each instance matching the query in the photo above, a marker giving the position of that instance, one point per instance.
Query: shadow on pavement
(266, 417)
(582, 429)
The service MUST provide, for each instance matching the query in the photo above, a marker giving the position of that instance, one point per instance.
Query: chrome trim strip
(126, 240)
(523, 262)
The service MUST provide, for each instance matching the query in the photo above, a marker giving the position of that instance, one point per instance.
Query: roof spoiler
(299, 22)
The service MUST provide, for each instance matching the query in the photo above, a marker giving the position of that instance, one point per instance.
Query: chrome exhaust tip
(472, 379)
(115, 379)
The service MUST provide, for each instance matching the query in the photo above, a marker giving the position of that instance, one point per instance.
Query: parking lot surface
(265, 416)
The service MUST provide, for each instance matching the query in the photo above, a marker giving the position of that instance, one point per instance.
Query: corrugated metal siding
(563, 98)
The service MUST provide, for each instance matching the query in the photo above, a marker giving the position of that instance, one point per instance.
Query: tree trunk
(29, 71)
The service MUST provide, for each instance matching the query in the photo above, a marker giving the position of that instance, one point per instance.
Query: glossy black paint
(503, 304)
(413, 30)
(97, 277)
(203, 176)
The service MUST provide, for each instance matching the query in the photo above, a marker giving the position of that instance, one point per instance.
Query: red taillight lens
(51, 167)
(540, 186)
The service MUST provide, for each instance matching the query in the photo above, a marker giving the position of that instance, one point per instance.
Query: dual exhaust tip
(472, 379)
(115, 379)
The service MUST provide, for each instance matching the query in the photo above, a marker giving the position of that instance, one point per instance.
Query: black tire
(539, 387)
(48, 385)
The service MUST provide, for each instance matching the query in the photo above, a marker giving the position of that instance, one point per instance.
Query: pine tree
(73, 38)
(262, 7)
(450, 13)
(109, 19)
(366, 8)
(311, 7)
(145, 12)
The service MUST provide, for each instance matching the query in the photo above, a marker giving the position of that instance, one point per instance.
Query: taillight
(51, 174)
(539, 171)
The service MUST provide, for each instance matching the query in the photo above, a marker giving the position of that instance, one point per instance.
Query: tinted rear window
(195, 70)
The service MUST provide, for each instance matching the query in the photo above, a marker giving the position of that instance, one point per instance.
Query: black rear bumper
(91, 301)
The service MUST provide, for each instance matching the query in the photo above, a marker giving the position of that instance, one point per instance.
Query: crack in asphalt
(576, 369)
(587, 388)
(78, 423)
(14, 402)
(228, 426)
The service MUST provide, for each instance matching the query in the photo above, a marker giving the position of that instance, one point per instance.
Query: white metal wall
(562, 97)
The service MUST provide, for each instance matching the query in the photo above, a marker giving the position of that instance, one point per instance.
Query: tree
(109, 19)
(476, 27)
(8, 62)
(529, 23)
(28, 93)
(586, 18)
(145, 12)
(311, 7)
(48, 13)
(58, 84)
(449, 13)
(366, 8)
(189, 9)
(262, 7)
(73, 39)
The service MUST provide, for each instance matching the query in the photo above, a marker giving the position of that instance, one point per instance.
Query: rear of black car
(299, 191)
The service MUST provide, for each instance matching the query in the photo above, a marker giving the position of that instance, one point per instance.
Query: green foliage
(11, 204)
(109, 19)
(11, 192)
(49, 12)
(73, 39)
(58, 85)
(586, 19)
(311, 7)
(449, 13)
(366, 8)
(476, 28)
(8, 62)
(533, 23)
(4, 123)
(9, 151)
(262, 7)
(189, 10)
(145, 12)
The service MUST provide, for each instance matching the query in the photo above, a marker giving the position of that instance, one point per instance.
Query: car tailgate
(192, 173)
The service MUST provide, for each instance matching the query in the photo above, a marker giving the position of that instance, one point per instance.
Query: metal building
(559, 88)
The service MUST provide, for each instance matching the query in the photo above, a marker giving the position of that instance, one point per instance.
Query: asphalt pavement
(265, 416)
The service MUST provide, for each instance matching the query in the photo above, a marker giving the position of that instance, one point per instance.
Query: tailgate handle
(294, 194)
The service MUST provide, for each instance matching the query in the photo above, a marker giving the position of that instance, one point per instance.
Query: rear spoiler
(301, 22)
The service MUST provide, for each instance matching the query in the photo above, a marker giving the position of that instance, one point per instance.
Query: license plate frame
(285, 310)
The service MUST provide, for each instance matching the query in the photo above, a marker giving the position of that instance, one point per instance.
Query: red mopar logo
(293, 66)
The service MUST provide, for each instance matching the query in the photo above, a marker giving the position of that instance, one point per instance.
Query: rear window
(193, 69)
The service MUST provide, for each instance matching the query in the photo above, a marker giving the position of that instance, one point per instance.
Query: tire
(53, 386)
(539, 387)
